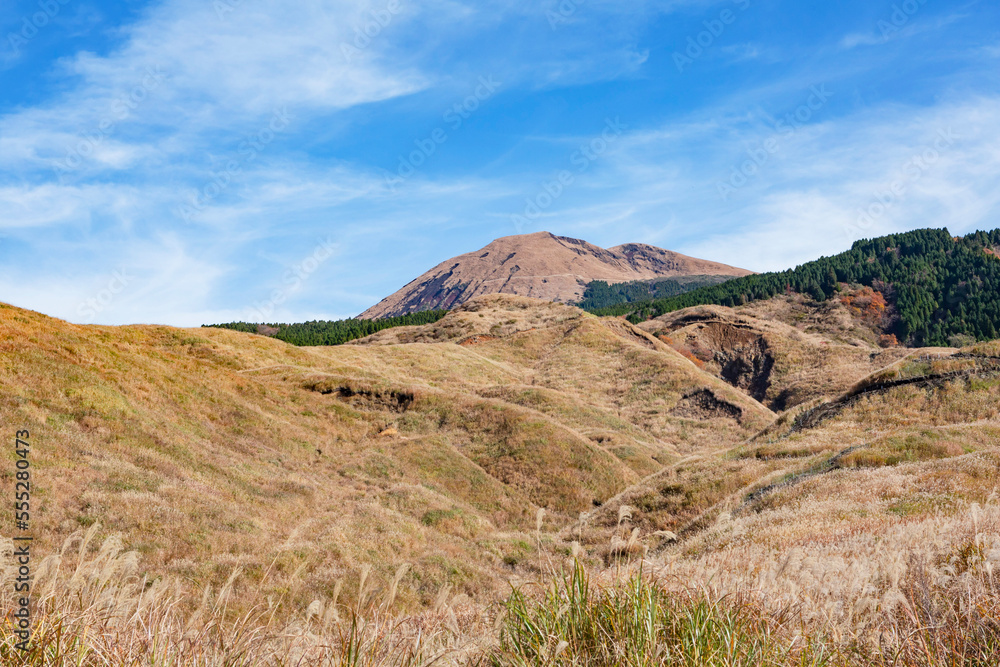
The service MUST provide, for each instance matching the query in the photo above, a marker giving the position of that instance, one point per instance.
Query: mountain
(542, 266)
(926, 287)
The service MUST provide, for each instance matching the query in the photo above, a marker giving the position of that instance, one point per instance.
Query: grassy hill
(598, 294)
(210, 449)
(208, 496)
(939, 287)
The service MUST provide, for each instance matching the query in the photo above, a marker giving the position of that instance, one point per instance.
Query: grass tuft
(640, 623)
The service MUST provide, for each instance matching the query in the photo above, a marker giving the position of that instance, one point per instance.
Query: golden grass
(210, 449)
(93, 606)
(924, 594)
(213, 498)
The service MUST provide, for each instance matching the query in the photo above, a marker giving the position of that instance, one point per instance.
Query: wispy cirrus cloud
(899, 23)
(809, 200)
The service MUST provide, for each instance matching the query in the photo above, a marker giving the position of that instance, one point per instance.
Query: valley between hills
(208, 493)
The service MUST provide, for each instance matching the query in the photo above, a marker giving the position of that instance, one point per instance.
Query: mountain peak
(540, 265)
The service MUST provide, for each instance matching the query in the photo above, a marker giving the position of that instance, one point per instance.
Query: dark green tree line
(600, 294)
(941, 286)
(337, 332)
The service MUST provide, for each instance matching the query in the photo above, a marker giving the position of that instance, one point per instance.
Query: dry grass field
(520, 483)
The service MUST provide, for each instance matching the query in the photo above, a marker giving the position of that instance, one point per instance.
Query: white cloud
(258, 56)
(224, 77)
(660, 186)
(742, 51)
(51, 205)
(857, 39)
(897, 25)
(185, 75)
(149, 281)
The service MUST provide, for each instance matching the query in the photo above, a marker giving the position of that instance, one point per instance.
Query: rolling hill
(208, 449)
(190, 480)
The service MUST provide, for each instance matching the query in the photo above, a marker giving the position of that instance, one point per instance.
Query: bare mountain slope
(542, 266)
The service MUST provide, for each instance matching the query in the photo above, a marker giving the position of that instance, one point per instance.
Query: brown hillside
(424, 470)
(541, 266)
(209, 449)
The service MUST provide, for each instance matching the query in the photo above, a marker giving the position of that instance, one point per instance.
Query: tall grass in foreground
(640, 623)
(637, 624)
(921, 592)
(93, 608)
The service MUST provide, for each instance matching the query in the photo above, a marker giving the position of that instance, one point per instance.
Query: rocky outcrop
(744, 358)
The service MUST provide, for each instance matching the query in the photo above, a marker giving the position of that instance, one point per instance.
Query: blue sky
(195, 161)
